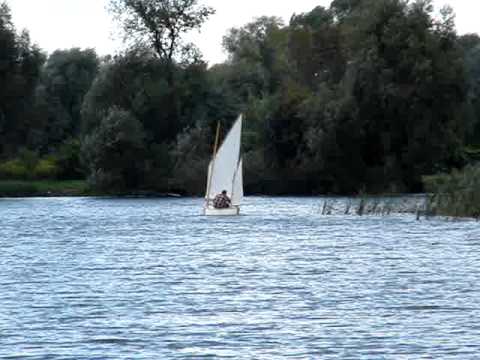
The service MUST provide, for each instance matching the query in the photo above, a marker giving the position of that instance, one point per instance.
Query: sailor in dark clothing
(222, 201)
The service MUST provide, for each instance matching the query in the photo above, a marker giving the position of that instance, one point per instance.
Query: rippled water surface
(153, 279)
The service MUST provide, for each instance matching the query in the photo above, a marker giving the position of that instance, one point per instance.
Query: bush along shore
(456, 194)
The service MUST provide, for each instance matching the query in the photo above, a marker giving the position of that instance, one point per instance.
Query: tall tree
(20, 66)
(408, 85)
(315, 47)
(114, 152)
(471, 47)
(160, 25)
(256, 52)
(66, 78)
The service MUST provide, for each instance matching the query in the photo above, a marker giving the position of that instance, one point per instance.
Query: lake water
(94, 278)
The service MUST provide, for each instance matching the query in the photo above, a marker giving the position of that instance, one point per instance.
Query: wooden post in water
(347, 208)
(324, 207)
(361, 207)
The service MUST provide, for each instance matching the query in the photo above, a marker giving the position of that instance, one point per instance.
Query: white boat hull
(231, 211)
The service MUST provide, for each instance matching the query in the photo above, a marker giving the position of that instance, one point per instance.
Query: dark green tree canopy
(20, 68)
(67, 77)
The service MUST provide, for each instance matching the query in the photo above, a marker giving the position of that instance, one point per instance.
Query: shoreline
(80, 188)
(29, 189)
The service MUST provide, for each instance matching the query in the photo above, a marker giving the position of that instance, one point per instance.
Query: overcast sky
(55, 24)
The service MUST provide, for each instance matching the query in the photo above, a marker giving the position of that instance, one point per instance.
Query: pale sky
(62, 24)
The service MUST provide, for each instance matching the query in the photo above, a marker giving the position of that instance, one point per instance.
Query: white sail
(237, 192)
(224, 167)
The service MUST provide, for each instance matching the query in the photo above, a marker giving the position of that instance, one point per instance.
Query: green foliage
(21, 167)
(471, 46)
(68, 158)
(66, 78)
(343, 9)
(28, 166)
(46, 169)
(115, 152)
(191, 156)
(161, 24)
(135, 82)
(17, 188)
(257, 55)
(199, 102)
(315, 48)
(20, 66)
(13, 169)
(456, 194)
(370, 94)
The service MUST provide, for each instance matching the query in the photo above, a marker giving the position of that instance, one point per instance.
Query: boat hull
(231, 211)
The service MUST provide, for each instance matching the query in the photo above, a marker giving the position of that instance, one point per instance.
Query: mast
(233, 181)
(215, 146)
(238, 163)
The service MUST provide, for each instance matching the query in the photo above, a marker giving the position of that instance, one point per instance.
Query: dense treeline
(367, 95)
(40, 106)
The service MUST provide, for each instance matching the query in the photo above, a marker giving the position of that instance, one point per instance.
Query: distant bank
(21, 188)
(67, 188)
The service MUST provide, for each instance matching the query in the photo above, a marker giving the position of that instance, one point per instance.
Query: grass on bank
(15, 188)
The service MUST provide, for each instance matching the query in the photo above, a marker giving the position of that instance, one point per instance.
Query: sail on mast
(224, 168)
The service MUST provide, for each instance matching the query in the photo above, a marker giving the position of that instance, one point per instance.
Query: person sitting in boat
(222, 201)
